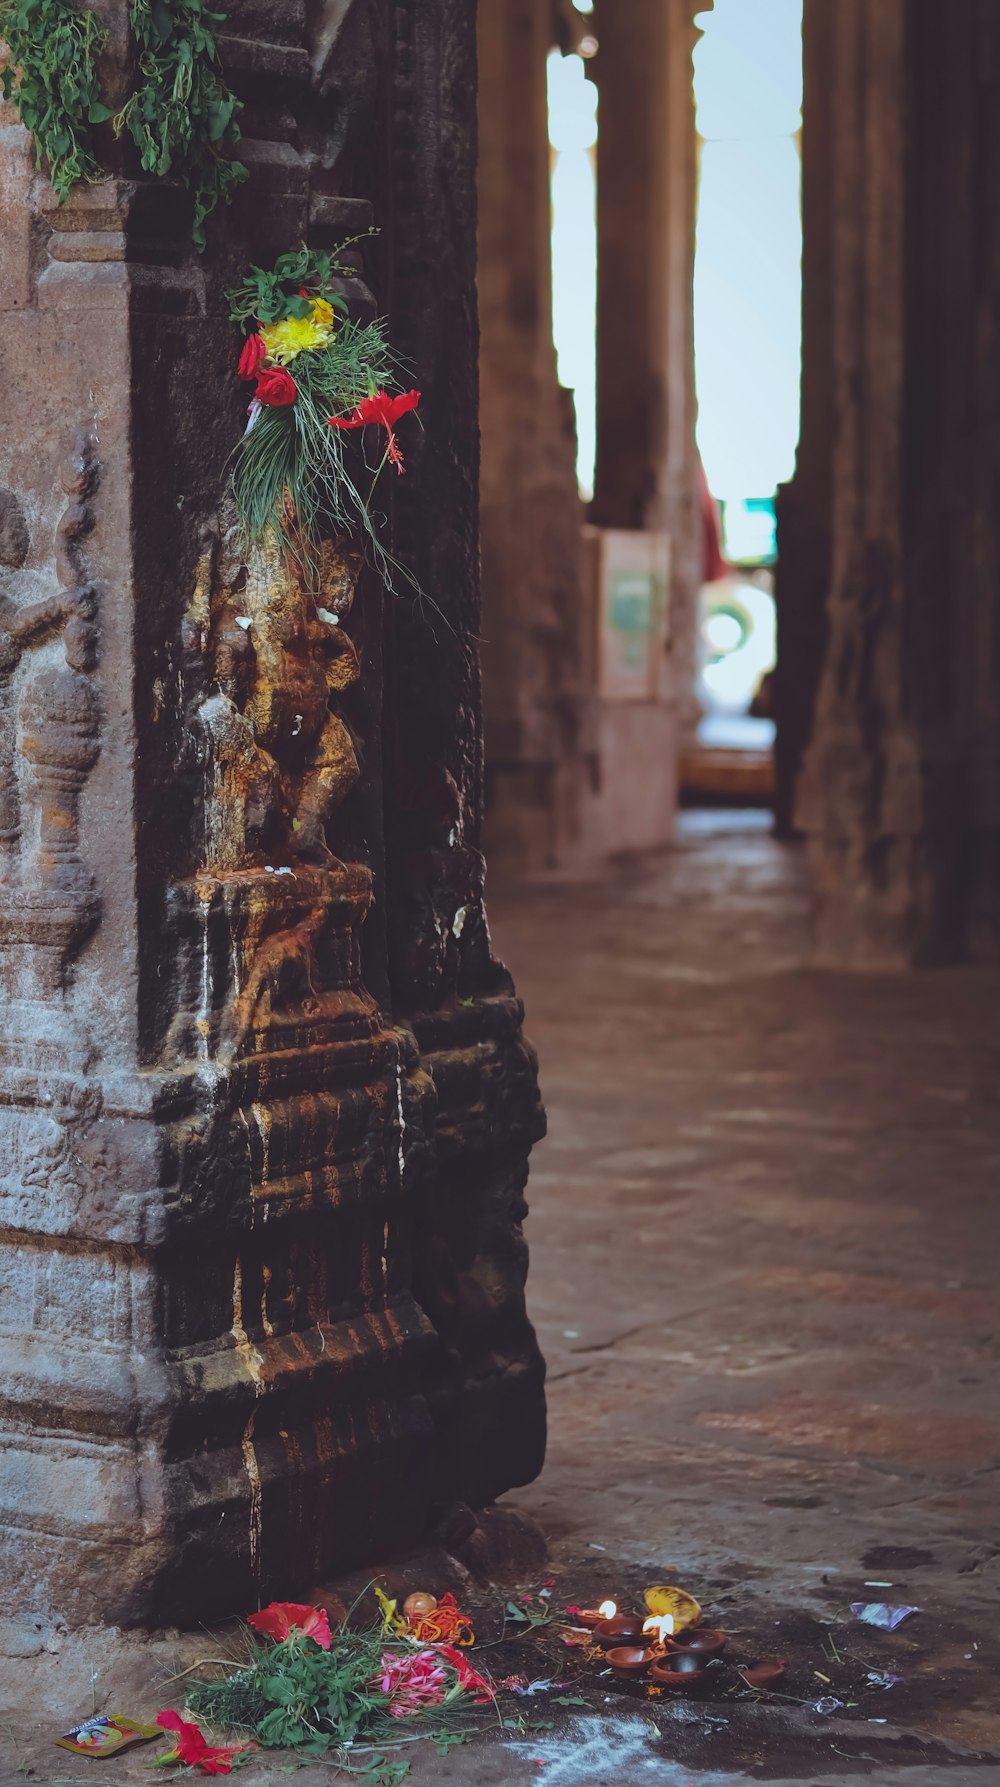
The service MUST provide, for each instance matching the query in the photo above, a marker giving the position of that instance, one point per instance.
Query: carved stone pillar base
(241, 1398)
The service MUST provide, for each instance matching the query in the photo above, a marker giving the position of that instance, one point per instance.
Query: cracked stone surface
(764, 1234)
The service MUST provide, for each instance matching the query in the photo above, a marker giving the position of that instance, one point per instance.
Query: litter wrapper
(106, 1734)
(876, 1613)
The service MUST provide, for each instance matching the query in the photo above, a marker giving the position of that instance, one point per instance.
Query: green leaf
(448, 1740)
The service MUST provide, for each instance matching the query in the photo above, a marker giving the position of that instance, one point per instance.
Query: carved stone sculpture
(276, 652)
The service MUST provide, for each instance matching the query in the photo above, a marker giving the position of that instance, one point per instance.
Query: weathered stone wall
(899, 794)
(264, 1100)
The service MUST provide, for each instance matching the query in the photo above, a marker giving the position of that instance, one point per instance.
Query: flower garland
(317, 376)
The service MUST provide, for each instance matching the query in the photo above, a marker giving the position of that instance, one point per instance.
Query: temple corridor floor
(764, 1239)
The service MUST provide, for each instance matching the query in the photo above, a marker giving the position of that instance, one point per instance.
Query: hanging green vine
(181, 116)
(52, 79)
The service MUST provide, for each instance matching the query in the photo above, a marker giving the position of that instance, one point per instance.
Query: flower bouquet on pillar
(319, 378)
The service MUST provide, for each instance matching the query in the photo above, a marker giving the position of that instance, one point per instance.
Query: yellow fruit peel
(683, 1609)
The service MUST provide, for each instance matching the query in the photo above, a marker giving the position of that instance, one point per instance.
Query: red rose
(253, 353)
(276, 386)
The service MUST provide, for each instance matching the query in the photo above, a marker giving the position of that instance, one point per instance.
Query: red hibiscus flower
(283, 1618)
(253, 353)
(276, 386)
(385, 411)
(472, 1682)
(194, 1752)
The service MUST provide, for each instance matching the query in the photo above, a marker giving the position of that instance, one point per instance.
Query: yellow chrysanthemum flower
(322, 313)
(293, 336)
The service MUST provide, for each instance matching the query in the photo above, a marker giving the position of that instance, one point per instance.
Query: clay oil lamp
(658, 1630)
(705, 1641)
(685, 1670)
(629, 1661)
(593, 1616)
(763, 1672)
(619, 1628)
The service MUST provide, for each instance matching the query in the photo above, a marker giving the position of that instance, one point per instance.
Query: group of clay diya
(667, 1645)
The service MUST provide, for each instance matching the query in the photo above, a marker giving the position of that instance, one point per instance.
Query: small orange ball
(419, 1605)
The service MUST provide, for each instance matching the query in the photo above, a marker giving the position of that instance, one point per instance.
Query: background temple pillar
(802, 573)
(534, 618)
(646, 476)
(900, 795)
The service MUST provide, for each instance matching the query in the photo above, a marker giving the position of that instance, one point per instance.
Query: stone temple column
(534, 618)
(264, 1104)
(646, 185)
(804, 504)
(457, 1000)
(900, 795)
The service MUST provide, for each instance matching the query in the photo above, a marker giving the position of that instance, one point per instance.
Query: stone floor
(765, 1240)
(765, 1236)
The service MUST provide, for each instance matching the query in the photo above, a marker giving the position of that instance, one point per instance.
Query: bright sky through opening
(748, 272)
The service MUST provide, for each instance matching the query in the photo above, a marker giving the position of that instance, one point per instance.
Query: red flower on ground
(276, 386)
(384, 411)
(472, 1682)
(283, 1618)
(194, 1752)
(412, 1682)
(253, 353)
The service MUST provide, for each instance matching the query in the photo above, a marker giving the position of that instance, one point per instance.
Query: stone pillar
(534, 619)
(899, 797)
(802, 574)
(646, 183)
(458, 1001)
(261, 1262)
